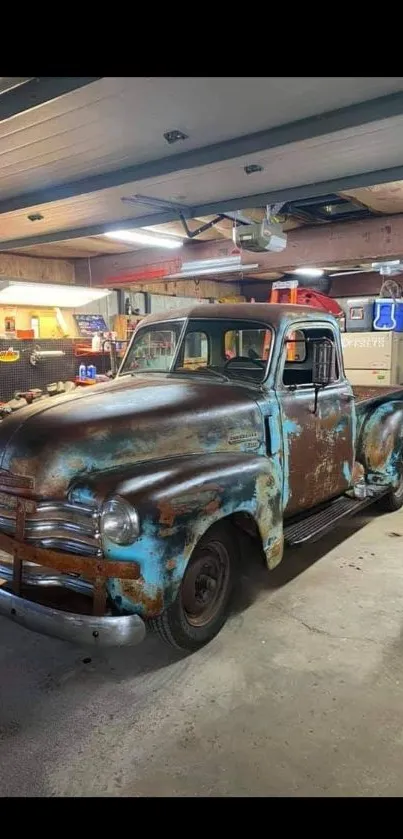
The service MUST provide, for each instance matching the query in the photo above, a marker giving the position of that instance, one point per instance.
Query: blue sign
(87, 325)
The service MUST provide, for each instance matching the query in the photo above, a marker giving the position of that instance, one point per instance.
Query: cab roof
(272, 313)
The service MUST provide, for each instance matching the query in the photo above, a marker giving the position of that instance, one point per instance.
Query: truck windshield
(234, 349)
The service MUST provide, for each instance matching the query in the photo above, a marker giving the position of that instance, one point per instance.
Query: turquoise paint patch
(342, 425)
(82, 495)
(289, 428)
(146, 550)
(347, 471)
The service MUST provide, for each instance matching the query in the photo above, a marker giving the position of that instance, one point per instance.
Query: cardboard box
(370, 377)
(372, 350)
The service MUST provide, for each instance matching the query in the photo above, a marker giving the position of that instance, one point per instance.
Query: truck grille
(60, 526)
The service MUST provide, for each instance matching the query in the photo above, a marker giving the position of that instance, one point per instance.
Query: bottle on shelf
(96, 342)
(82, 372)
(91, 372)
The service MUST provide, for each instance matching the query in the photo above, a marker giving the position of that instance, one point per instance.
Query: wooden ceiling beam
(344, 243)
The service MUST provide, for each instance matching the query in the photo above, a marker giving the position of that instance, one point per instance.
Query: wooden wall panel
(30, 268)
(191, 288)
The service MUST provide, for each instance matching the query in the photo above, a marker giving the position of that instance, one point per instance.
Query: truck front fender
(380, 442)
(177, 500)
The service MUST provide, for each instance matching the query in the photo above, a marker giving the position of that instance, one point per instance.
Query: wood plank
(29, 268)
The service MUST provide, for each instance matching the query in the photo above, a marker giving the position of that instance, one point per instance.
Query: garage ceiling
(76, 147)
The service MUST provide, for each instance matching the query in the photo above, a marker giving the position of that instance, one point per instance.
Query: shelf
(85, 382)
(80, 351)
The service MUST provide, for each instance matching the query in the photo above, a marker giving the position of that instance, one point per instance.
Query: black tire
(393, 501)
(201, 606)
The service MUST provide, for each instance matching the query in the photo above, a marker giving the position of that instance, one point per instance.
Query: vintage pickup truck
(121, 505)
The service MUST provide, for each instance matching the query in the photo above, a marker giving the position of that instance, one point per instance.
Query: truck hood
(46, 446)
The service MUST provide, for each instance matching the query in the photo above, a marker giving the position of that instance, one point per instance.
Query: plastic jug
(385, 314)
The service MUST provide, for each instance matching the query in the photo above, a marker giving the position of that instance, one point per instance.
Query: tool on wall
(40, 355)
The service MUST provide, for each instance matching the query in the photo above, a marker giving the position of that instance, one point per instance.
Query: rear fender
(380, 443)
(178, 499)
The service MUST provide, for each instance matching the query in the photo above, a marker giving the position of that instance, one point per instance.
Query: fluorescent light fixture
(211, 267)
(140, 237)
(211, 272)
(309, 272)
(46, 294)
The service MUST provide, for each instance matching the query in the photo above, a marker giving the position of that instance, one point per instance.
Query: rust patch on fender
(167, 513)
(358, 472)
(151, 599)
(212, 506)
(379, 449)
(276, 549)
(205, 498)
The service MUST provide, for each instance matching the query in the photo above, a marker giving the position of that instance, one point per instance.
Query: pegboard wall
(21, 375)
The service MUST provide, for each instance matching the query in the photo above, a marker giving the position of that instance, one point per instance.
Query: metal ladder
(292, 286)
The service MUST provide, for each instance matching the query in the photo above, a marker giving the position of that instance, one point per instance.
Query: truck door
(318, 447)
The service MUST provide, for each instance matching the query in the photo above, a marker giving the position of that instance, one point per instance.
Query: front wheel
(393, 500)
(201, 606)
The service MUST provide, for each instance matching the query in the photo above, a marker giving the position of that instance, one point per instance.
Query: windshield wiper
(143, 372)
(215, 373)
(182, 372)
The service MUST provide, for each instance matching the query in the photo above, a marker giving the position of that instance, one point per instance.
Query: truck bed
(363, 393)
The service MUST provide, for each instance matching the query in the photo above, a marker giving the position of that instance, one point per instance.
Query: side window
(298, 355)
(196, 351)
(248, 343)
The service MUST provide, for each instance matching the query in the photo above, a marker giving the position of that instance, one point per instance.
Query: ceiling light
(46, 294)
(139, 237)
(309, 272)
(228, 262)
(175, 135)
(211, 267)
(211, 272)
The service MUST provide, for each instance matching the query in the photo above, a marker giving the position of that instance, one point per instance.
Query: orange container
(28, 334)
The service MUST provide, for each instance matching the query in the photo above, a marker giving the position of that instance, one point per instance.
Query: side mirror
(323, 362)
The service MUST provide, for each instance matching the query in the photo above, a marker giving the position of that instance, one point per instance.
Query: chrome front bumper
(42, 566)
(123, 631)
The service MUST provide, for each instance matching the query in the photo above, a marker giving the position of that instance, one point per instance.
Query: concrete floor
(301, 694)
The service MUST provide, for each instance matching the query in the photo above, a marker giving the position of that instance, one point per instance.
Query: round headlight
(119, 522)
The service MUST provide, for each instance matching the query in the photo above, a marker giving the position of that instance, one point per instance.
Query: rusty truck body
(121, 505)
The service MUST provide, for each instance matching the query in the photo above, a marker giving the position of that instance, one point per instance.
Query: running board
(311, 528)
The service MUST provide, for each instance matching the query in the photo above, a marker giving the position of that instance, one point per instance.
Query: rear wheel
(201, 606)
(393, 500)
